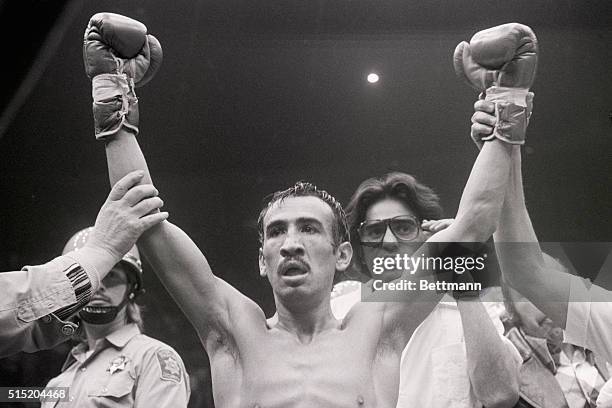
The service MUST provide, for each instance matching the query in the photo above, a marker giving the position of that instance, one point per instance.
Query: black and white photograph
(306, 204)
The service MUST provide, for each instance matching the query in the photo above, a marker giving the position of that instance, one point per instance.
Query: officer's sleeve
(163, 381)
(30, 296)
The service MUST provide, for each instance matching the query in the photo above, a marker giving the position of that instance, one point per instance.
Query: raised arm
(476, 219)
(581, 308)
(500, 62)
(521, 258)
(483, 195)
(519, 253)
(176, 259)
(119, 55)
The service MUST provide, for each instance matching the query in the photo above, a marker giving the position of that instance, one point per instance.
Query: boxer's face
(298, 252)
(390, 246)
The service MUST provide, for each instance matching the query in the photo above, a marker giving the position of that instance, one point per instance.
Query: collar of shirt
(118, 338)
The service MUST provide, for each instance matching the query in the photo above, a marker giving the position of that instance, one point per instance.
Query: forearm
(520, 256)
(492, 369)
(177, 261)
(483, 195)
(123, 155)
(476, 218)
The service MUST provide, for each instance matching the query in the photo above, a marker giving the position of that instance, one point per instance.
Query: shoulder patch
(170, 367)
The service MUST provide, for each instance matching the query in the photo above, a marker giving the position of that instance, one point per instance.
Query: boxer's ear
(344, 256)
(262, 264)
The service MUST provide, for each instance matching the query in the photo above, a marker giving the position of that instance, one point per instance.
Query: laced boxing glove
(501, 63)
(118, 56)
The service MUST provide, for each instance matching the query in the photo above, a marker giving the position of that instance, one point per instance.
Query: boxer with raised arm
(308, 358)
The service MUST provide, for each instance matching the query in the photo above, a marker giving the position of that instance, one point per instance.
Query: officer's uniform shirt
(30, 296)
(125, 369)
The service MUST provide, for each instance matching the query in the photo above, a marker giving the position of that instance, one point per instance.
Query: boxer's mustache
(293, 263)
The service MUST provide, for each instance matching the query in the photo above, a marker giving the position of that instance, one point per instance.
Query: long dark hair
(419, 198)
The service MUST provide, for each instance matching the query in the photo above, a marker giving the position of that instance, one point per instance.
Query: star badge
(117, 364)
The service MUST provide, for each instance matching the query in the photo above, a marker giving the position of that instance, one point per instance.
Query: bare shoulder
(364, 315)
(241, 318)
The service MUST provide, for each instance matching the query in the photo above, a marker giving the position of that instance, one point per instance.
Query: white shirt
(589, 317)
(433, 370)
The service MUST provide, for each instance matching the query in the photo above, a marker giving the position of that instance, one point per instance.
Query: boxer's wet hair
(419, 198)
(340, 229)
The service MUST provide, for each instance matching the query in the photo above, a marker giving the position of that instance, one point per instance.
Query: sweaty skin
(308, 359)
(276, 369)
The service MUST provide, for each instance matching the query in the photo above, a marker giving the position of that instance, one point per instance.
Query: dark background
(254, 95)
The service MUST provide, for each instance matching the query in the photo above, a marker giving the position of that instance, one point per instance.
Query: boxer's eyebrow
(274, 225)
(309, 220)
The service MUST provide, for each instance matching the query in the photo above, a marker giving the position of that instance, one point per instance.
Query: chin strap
(103, 314)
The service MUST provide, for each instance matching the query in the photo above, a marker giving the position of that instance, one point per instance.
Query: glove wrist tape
(114, 104)
(512, 110)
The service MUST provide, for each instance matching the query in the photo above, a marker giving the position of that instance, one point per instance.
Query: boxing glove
(501, 62)
(118, 56)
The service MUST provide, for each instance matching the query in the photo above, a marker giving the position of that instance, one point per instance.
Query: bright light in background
(373, 78)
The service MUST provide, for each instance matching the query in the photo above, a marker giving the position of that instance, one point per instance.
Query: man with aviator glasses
(384, 219)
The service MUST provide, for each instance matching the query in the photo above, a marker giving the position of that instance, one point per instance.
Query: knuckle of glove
(97, 56)
(124, 35)
(467, 69)
(155, 57)
(109, 37)
(504, 55)
(462, 62)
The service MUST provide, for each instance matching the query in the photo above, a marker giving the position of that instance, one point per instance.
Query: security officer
(115, 363)
(36, 301)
